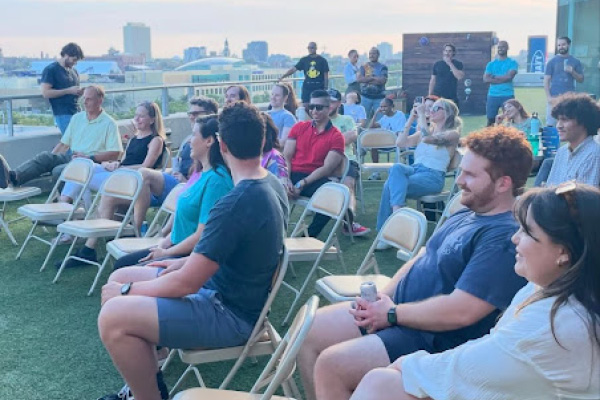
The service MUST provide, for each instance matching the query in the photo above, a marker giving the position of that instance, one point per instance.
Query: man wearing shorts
(452, 292)
(213, 297)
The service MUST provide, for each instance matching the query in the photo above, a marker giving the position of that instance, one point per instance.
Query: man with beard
(561, 73)
(452, 292)
(60, 85)
(499, 73)
(372, 78)
(446, 74)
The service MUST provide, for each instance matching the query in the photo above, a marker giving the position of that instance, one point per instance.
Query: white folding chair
(373, 139)
(78, 171)
(405, 230)
(120, 247)
(279, 369)
(331, 200)
(9, 195)
(452, 206)
(123, 184)
(263, 340)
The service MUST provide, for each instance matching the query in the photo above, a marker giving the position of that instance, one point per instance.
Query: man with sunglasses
(313, 151)
(578, 120)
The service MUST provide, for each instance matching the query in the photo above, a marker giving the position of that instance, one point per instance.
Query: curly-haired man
(450, 293)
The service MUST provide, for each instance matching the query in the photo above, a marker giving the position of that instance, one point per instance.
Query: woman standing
(547, 343)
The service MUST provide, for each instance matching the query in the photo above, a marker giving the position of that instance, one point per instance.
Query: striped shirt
(581, 164)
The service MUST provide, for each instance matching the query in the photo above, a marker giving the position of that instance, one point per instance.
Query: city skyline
(287, 27)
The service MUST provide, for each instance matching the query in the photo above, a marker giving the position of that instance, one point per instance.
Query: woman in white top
(547, 343)
(433, 153)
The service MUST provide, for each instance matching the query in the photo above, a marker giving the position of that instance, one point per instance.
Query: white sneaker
(375, 176)
(382, 246)
(64, 238)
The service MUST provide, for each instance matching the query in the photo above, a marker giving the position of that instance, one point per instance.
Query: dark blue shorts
(170, 183)
(400, 341)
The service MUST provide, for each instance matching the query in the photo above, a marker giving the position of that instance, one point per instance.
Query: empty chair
(9, 195)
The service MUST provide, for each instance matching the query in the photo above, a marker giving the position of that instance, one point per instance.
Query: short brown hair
(508, 152)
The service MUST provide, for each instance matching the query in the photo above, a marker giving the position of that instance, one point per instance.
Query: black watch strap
(391, 316)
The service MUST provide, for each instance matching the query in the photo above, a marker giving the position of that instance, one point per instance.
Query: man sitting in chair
(91, 134)
(313, 150)
(213, 297)
(448, 294)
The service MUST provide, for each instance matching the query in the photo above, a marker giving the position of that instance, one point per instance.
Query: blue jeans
(370, 105)
(405, 182)
(492, 105)
(62, 121)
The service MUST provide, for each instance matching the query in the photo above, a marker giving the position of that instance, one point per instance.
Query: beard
(478, 201)
(563, 51)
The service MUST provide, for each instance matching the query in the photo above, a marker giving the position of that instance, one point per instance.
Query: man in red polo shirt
(313, 151)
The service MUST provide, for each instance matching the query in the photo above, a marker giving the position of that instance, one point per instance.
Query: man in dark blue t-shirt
(60, 85)
(213, 297)
(450, 293)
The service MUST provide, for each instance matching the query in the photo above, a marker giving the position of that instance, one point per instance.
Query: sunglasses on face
(436, 108)
(196, 113)
(317, 107)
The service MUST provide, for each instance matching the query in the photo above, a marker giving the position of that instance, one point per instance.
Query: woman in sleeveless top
(434, 150)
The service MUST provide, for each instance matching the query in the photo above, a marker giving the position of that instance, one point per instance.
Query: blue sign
(536, 53)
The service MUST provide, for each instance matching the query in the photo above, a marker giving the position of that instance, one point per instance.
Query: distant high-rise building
(256, 52)
(226, 52)
(386, 50)
(136, 38)
(193, 53)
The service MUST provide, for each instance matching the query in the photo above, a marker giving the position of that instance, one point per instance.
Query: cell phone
(419, 99)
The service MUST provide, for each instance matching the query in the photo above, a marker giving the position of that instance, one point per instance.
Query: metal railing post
(165, 102)
(190, 92)
(9, 117)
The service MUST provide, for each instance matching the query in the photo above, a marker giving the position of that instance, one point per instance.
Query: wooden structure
(422, 50)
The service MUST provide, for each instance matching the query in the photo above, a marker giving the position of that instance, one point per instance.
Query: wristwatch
(391, 316)
(127, 287)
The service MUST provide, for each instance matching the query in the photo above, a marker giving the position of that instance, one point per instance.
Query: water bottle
(534, 134)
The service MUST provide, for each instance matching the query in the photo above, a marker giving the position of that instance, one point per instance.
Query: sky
(28, 27)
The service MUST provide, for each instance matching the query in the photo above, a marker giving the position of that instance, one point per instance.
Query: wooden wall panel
(473, 49)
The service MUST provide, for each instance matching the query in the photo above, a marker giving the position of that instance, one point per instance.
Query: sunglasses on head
(317, 107)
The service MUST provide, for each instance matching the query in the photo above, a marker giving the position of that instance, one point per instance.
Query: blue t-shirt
(472, 253)
(561, 81)
(395, 123)
(244, 235)
(498, 68)
(195, 203)
(356, 111)
(282, 119)
(350, 73)
(371, 90)
(185, 159)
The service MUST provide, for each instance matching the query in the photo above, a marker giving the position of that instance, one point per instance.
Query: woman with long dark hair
(547, 343)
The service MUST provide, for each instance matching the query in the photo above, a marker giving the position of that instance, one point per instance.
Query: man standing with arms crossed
(499, 73)
(446, 74)
(316, 73)
(373, 77)
(60, 85)
(561, 73)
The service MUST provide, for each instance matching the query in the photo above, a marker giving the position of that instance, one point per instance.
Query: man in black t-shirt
(60, 85)
(446, 73)
(213, 297)
(316, 73)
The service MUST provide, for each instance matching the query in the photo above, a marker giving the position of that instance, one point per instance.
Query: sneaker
(382, 246)
(85, 253)
(357, 230)
(4, 173)
(64, 238)
(375, 176)
(126, 394)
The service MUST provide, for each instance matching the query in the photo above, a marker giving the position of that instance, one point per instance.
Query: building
(136, 39)
(256, 52)
(226, 51)
(578, 19)
(386, 51)
(193, 53)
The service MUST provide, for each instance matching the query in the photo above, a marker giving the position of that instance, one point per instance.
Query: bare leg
(350, 182)
(340, 367)
(382, 384)
(153, 183)
(333, 324)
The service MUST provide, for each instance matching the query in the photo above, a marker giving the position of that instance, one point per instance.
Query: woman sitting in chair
(434, 150)
(272, 160)
(547, 343)
(144, 149)
(514, 115)
(193, 205)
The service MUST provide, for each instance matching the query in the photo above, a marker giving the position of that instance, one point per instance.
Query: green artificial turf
(49, 343)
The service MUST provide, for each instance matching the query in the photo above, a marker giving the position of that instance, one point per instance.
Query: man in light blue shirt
(499, 73)
(351, 71)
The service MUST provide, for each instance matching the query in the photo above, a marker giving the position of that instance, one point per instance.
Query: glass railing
(120, 102)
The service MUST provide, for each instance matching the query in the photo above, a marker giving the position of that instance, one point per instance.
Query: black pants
(134, 259)
(319, 220)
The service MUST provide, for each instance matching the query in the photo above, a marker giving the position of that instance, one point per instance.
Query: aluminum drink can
(368, 291)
